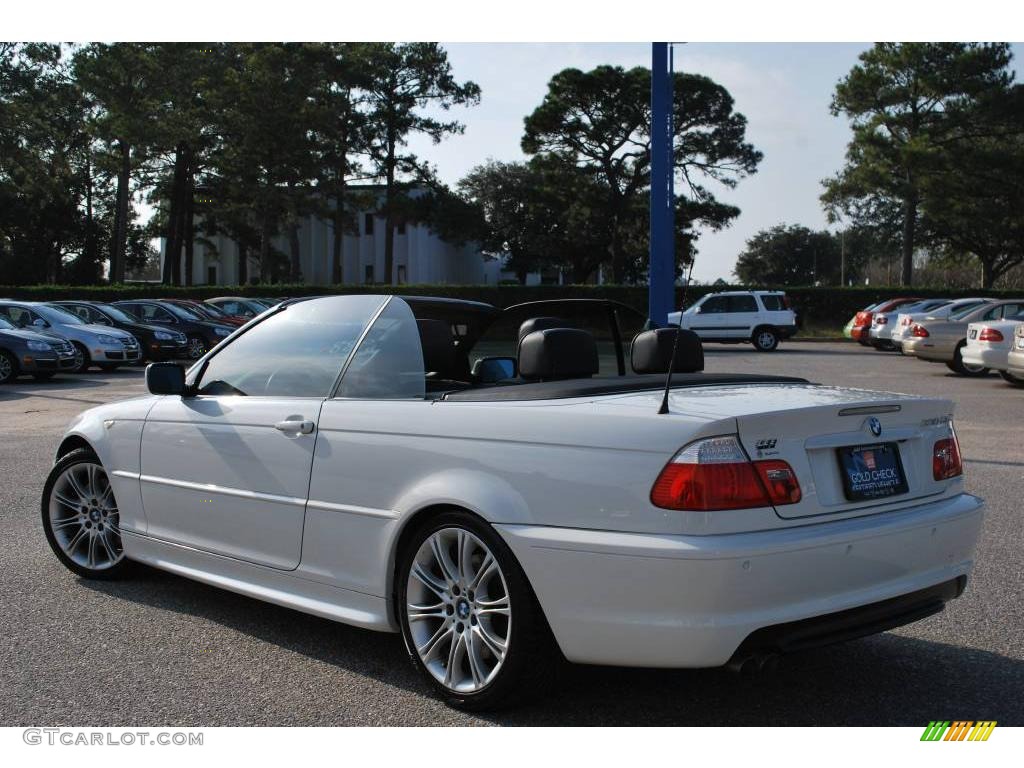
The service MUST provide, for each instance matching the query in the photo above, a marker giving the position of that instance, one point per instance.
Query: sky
(784, 89)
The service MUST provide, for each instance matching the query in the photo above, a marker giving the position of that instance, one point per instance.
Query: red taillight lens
(919, 331)
(990, 334)
(715, 474)
(946, 461)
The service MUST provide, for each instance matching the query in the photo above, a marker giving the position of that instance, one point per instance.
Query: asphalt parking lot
(163, 651)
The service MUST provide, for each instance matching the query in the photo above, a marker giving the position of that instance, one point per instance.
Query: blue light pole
(661, 291)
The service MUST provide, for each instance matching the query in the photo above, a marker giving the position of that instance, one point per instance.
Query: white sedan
(989, 344)
(903, 326)
(342, 456)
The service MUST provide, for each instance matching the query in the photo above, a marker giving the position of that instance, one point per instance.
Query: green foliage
(596, 126)
(910, 105)
(795, 255)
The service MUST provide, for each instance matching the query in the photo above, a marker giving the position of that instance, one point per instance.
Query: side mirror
(489, 370)
(165, 379)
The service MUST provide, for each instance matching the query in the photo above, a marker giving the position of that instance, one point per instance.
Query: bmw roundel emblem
(875, 426)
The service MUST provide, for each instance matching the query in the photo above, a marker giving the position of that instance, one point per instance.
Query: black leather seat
(555, 354)
(651, 351)
(540, 324)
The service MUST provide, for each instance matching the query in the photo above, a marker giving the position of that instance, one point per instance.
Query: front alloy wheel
(469, 619)
(196, 347)
(81, 518)
(8, 367)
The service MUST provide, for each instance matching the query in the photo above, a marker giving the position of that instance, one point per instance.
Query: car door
(226, 470)
(711, 317)
(743, 315)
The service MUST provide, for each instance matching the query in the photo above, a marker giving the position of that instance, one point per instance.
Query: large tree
(599, 123)
(405, 79)
(790, 255)
(907, 104)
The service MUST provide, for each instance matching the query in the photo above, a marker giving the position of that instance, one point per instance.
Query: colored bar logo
(958, 730)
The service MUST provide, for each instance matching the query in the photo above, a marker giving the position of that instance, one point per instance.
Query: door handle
(295, 425)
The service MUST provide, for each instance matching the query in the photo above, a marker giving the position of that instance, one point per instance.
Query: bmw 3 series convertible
(508, 488)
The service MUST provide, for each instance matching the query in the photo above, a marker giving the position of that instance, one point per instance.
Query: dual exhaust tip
(758, 662)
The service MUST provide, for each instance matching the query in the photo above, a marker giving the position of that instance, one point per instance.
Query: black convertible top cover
(560, 390)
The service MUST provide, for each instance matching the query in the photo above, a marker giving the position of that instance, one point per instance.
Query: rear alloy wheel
(8, 367)
(1009, 378)
(469, 619)
(81, 518)
(958, 365)
(196, 347)
(765, 339)
(82, 358)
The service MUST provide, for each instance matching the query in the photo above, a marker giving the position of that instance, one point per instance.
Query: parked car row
(41, 339)
(972, 336)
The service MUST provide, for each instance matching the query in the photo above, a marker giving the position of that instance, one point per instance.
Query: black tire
(8, 367)
(197, 347)
(960, 368)
(82, 358)
(43, 376)
(109, 367)
(765, 338)
(531, 656)
(119, 569)
(1009, 378)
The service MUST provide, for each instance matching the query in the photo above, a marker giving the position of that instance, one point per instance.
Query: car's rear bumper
(786, 331)
(1015, 363)
(929, 349)
(988, 357)
(860, 333)
(691, 601)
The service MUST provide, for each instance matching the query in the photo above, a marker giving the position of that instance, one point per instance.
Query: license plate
(974, 333)
(872, 471)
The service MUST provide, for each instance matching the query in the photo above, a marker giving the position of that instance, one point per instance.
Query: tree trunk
(988, 272)
(909, 232)
(119, 245)
(243, 263)
(295, 275)
(172, 251)
(189, 228)
(90, 233)
(265, 268)
(338, 254)
(389, 224)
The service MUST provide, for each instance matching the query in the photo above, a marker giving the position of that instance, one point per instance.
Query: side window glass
(389, 362)
(742, 304)
(715, 305)
(298, 352)
(772, 302)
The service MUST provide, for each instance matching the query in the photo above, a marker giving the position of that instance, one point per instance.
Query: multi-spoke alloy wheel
(458, 610)
(470, 621)
(81, 517)
(196, 347)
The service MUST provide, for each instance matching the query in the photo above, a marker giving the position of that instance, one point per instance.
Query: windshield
(116, 314)
(181, 312)
(56, 316)
(962, 312)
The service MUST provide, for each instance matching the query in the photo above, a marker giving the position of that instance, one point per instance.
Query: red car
(208, 312)
(862, 320)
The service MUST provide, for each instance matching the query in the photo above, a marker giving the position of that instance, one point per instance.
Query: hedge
(818, 307)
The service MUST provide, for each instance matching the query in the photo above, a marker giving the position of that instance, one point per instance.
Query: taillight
(919, 331)
(946, 461)
(990, 334)
(715, 474)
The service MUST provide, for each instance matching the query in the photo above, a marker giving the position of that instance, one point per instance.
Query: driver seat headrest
(651, 351)
(540, 324)
(558, 353)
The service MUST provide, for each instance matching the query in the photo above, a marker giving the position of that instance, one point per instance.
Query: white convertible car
(502, 487)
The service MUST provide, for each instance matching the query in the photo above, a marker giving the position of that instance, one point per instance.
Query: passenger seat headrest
(651, 351)
(558, 353)
(540, 324)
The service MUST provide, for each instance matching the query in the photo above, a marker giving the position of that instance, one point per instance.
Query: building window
(211, 274)
(368, 274)
(368, 223)
(401, 274)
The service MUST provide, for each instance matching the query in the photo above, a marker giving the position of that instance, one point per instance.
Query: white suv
(763, 318)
